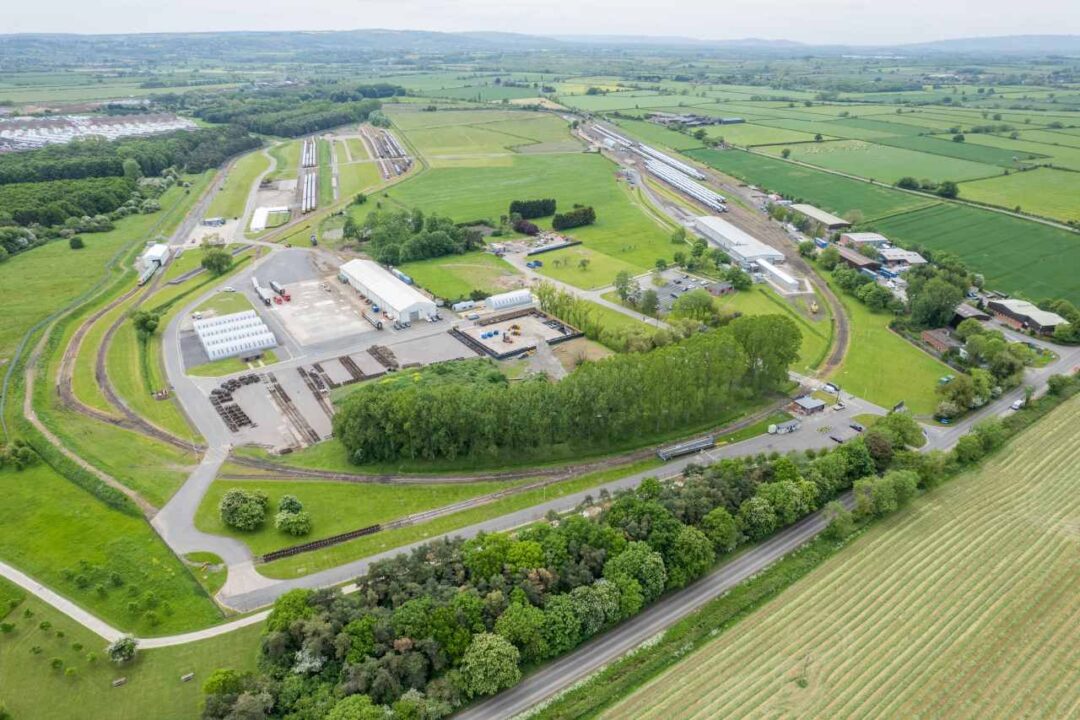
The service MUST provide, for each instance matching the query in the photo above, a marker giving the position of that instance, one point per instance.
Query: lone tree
(244, 510)
(216, 261)
(76, 243)
(123, 650)
(146, 323)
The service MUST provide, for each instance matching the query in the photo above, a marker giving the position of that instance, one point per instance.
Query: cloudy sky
(813, 21)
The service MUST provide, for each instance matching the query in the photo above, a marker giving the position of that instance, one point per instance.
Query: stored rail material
(318, 544)
(671, 162)
(679, 181)
(286, 405)
(614, 137)
(391, 152)
(309, 192)
(687, 448)
(310, 155)
(373, 319)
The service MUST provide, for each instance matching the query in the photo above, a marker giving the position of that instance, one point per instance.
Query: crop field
(943, 145)
(748, 134)
(622, 237)
(481, 137)
(45, 534)
(1012, 253)
(963, 605)
(1044, 191)
(653, 134)
(153, 687)
(830, 192)
(882, 162)
(455, 276)
(1060, 155)
(231, 201)
(335, 507)
(1051, 137)
(483, 93)
(627, 101)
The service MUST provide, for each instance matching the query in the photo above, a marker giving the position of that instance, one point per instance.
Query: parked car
(1017, 404)
(839, 406)
(856, 427)
(830, 388)
(836, 439)
(228, 288)
(473, 316)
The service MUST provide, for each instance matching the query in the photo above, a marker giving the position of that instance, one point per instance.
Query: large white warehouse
(741, 246)
(395, 298)
(241, 334)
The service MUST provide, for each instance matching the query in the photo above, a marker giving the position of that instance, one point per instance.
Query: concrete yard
(530, 329)
(320, 312)
(431, 349)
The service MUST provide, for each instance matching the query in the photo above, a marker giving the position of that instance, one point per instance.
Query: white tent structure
(514, 298)
(238, 334)
(397, 299)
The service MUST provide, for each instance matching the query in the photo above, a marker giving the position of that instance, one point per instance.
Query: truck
(277, 287)
(264, 295)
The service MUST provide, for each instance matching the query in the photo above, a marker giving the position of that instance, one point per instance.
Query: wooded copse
(616, 400)
(396, 237)
(531, 209)
(579, 216)
(457, 619)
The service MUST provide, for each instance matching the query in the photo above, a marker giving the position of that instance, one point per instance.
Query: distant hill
(1006, 44)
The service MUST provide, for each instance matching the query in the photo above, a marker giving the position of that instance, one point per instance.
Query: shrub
(529, 209)
(123, 650)
(297, 523)
(290, 504)
(76, 243)
(244, 510)
(577, 217)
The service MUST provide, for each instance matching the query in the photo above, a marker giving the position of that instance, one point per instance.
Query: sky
(850, 22)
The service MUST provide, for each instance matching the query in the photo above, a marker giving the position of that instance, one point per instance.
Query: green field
(326, 173)
(749, 134)
(829, 192)
(287, 155)
(483, 137)
(335, 507)
(963, 605)
(455, 276)
(56, 533)
(1012, 253)
(654, 134)
(1044, 191)
(943, 145)
(231, 201)
(883, 162)
(33, 690)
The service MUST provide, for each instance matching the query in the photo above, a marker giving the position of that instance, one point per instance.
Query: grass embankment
(228, 366)
(231, 200)
(326, 173)
(980, 581)
(33, 689)
(387, 540)
(455, 276)
(287, 155)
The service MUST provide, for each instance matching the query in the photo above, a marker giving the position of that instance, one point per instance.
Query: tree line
(532, 209)
(618, 399)
(53, 202)
(579, 216)
(401, 236)
(454, 620)
(287, 116)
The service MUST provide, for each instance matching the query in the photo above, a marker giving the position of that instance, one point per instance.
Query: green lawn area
(32, 689)
(816, 333)
(287, 155)
(231, 201)
(307, 563)
(654, 134)
(882, 367)
(829, 192)
(462, 136)
(335, 507)
(883, 162)
(1044, 191)
(1011, 252)
(39, 281)
(599, 270)
(357, 149)
(224, 303)
(455, 276)
(60, 535)
(622, 237)
(228, 366)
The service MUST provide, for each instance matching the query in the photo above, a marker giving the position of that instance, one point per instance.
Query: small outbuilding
(895, 257)
(968, 312)
(857, 260)
(808, 405)
(941, 340)
(512, 299)
(858, 239)
(826, 220)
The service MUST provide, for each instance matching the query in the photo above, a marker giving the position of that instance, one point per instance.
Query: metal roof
(819, 215)
(734, 240)
(1043, 318)
(809, 403)
(378, 281)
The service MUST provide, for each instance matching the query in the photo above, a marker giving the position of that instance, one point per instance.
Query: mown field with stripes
(965, 605)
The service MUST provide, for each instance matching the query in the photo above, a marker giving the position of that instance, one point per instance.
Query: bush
(290, 504)
(244, 510)
(123, 650)
(293, 523)
(969, 450)
(76, 243)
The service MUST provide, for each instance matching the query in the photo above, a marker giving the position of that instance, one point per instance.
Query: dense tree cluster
(579, 216)
(459, 619)
(288, 115)
(395, 237)
(53, 202)
(673, 387)
(531, 209)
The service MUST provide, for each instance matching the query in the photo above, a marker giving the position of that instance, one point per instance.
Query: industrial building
(1023, 315)
(827, 220)
(898, 258)
(25, 133)
(739, 245)
(857, 260)
(241, 334)
(392, 296)
(778, 277)
(968, 312)
(155, 255)
(808, 405)
(512, 299)
(858, 239)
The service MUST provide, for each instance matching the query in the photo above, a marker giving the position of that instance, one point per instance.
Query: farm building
(778, 277)
(397, 299)
(858, 239)
(807, 405)
(899, 258)
(964, 312)
(241, 334)
(827, 220)
(512, 299)
(1025, 316)
(857, 260)
(720, 289)
(941, 340)
(739, 245)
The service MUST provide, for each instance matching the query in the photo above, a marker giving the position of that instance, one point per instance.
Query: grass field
(961, 606)
(55, 532)
(33, 690)
(1044, 191)
(748, 134)
(326, 173)
(335, 507)
(231, 200)
(481, 137)
(830, 192)
(287, 155)
(882, 367)
(1011, 252)
(883, 162)
(455, 276)
(654, 134)
(943, 145)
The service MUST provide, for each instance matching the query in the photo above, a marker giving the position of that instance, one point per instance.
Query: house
(898, 258)
(826, 220)
(858, 239)
(1023, 315)
(941, 340)
(857, 260)
(807, 405)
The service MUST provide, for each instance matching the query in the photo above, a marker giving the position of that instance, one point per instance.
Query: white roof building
(237, 334)
(778, 277)
(864, 238)
(514, 298)
(830, 221)
(397, 299)
(156, 253)
(741, 246)
(899, 256)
